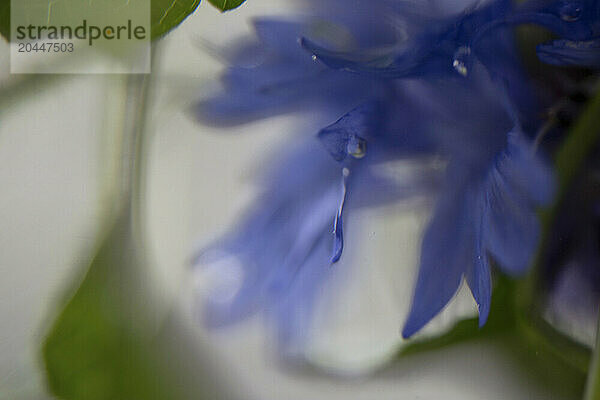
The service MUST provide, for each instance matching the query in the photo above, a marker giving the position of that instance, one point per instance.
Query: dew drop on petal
(314, 57)
(356, 147)
(460, 67)
(571, 12)
(459, 62)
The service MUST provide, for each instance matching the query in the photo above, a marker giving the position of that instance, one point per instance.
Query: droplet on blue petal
(338, 234)
(314, 57)
(571, 12)
(460, 60)
(356, 147)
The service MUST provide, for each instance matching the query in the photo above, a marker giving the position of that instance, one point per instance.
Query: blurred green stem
(592, 388)
(135, 140)
(125, 142)
(574, 152)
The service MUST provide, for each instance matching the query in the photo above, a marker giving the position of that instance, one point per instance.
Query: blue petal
(527, 171)
(438, 47)
(445, 256)
(511, 228)
(422, 58)
(273, 243)
(266, 90)
(567, 52)
(479, 280)
(380, 62)
(571, 19)
(387, 21)
(280, 36)
(479, 276)
(516, 185)
(290, 311)
(284, 78)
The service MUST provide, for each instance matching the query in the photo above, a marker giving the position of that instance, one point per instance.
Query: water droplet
(460, 67)
(314, 57)
(459, 63)
(570, 12)
(338, 233)
(356, 147)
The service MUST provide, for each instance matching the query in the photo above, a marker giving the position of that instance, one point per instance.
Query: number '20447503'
(46, 47)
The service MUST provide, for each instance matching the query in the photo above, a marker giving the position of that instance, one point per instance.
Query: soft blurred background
(53, 146)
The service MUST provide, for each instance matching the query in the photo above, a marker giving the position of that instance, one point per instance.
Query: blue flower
(451, 87)
(286, 242)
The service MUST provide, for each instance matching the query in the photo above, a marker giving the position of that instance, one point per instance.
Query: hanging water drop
(314, 57)
(459, 62)
(356, 147)
(570, 12)
(338, 234)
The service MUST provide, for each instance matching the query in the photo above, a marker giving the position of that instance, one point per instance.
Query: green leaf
(572, 156)
(101, 345)
(167, 14)
(164, 15)
(592, 390)
(580, 143)
(538, 360)
(226, 5)
(536, 349)
(502, 319)
(5, 18)
(553, 356)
